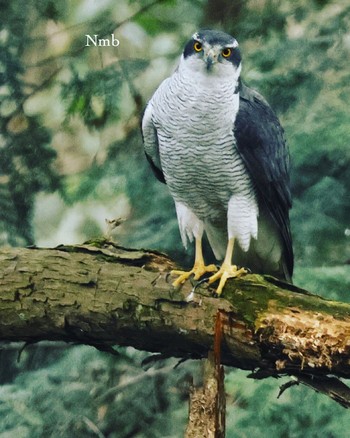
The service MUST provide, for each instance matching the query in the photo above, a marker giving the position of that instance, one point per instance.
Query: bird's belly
(204, 173)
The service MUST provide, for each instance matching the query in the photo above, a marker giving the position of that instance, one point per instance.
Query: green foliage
(331, 283)
(95, 98)
(52, 10)
(25, 160)
(133, 67)
(80, 187)
(26, 155)
(94, 392)
(255, 411)
(153, 25)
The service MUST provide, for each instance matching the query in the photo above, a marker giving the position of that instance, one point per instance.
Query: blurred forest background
(71, 156)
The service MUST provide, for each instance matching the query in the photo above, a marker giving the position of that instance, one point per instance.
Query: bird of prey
(220, 148)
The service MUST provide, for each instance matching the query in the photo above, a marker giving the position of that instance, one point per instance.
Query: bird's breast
(197, 147)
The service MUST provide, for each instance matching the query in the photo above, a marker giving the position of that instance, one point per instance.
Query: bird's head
(212, 52)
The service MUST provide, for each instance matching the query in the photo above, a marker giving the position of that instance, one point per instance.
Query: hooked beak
(210, 58)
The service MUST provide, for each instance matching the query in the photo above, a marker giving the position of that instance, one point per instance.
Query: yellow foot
(226, 271)
(197, 271)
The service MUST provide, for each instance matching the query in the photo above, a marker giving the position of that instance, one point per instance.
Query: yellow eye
(197, 46)
(226, 52)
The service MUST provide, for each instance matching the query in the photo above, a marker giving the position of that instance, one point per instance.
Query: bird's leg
(199, 267)
(227, 269)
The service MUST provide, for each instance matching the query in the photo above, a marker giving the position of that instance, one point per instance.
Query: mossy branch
(101, 294)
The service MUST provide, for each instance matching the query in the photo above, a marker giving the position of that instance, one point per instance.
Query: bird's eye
(197, 46)
(226, 52)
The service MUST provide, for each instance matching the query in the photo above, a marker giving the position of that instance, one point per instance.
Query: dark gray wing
(261, 144)
(150, 142)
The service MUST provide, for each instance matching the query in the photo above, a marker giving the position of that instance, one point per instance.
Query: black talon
(200, 282)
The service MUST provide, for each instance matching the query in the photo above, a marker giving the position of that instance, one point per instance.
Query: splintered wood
(314, 339)
(208, 403)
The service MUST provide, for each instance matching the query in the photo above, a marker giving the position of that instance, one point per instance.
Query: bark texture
(102, 294)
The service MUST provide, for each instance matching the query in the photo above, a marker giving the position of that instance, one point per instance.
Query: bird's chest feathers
(195, 126)
(196, 139)
(200, 108)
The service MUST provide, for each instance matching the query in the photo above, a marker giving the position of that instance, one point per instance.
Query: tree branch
(101, 294)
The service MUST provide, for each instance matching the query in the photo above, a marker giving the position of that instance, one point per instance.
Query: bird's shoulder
(256, 117)
(261, 143)
(163, 89)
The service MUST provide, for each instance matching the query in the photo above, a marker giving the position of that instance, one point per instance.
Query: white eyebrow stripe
(232, 45)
